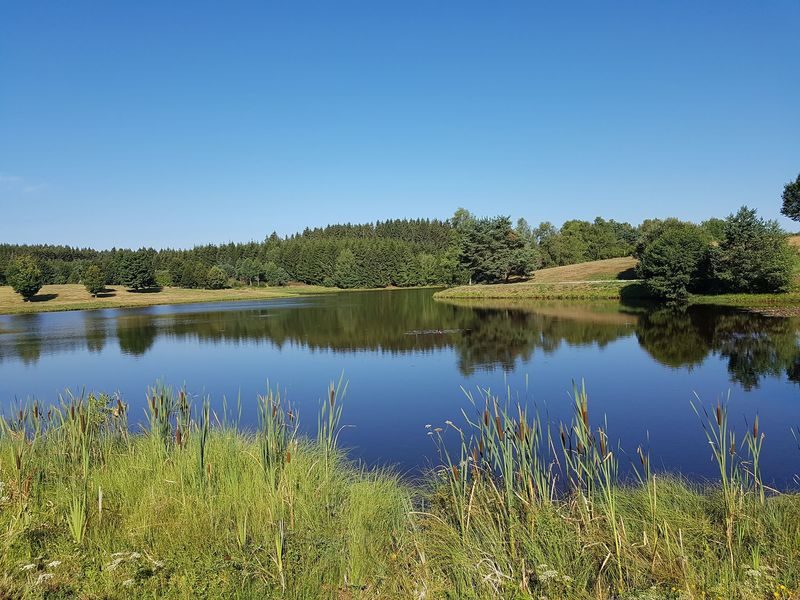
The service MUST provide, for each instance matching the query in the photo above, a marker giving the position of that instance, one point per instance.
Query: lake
(407, 356)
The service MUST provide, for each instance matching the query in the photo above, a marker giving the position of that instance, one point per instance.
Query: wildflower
(53, 564)
(128, 582)
(753, 573)
(28, 567)
(44, 577)
(547, 575)
(135, 556)
(114, 564)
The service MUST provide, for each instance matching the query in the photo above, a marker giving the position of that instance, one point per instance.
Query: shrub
(25, 277)
(672, 258)
(164, 278)
(275, 274)
(94, 280)
(216, 278)
(753, 255)
(137, 270)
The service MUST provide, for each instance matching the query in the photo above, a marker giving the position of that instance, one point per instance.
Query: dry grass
(597, 280)
(75, 297)
(794, 241)
(596, 270)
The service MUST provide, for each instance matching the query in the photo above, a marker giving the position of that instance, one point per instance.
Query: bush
(673, 258)
(275, 275)
(94, 280)
(164, 278)
(137, 270)
(25, 277)
(753, 255)
(216, 278)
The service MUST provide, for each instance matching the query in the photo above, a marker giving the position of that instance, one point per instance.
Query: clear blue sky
(170, 124)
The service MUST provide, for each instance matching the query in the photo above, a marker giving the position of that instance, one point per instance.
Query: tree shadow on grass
(43, 297)
(627, 274)
(106, 293)
(151, 290)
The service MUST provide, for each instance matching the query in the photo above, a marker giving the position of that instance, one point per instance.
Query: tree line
(389, 253)
(741, 253)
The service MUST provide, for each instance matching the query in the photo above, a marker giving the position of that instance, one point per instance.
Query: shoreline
(71, 297)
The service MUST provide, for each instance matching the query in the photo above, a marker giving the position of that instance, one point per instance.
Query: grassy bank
(611, 280)
(596, 280)
(75, 297)
(192, 507)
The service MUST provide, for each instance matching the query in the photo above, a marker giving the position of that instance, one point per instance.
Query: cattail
(274, 410)
(455, 471)
(580, 447)
(755, 428)
(480, 446)
(288, 456)
(486, 417)
(178, 437)
(475, 455)
(499, 428)
(719, 414)
(521, 431)
(332, 396)
(18, 460)
(83, 422)
(563, 435)
(602, 444)
(208, 469)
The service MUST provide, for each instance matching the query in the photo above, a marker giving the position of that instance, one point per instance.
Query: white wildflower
(44, 577)
(27, 567)
(548, 575)
(114, 564)
(566, 579)
(53, 564)
(128, 582)
(135, 556)
(753, 573)
(118, 554)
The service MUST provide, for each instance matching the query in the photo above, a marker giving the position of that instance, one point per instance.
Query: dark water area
(407, 357)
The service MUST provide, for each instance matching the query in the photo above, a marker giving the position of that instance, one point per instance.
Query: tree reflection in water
(485, 335)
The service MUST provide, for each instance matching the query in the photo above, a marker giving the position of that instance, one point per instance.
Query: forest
(675, 257)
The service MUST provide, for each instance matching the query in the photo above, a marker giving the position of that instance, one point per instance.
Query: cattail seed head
(719, 414)
(499, 427)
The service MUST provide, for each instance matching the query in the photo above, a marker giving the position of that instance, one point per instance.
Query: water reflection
(485, 336)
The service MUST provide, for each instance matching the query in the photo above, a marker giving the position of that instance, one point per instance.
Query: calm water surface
(407, 357)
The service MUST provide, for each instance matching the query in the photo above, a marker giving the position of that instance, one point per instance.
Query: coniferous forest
(675, 257)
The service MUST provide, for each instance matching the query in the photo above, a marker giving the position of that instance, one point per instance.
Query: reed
(90, 510)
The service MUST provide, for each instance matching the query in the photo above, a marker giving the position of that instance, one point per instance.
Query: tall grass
(195, 507)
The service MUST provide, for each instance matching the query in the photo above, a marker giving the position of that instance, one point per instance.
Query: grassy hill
(597, 279)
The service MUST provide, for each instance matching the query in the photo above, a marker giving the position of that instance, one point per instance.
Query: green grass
(193, 507)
